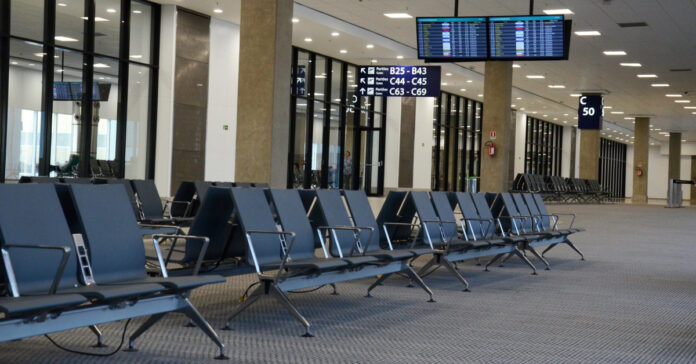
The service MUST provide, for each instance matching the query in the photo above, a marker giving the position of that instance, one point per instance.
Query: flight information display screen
(452, 39)
(527, 37)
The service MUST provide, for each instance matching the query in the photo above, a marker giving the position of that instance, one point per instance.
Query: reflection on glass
(140, 29)
(319, 77)
(136, 126)
(70, 18)
(349, 171)
(65, 128)
(317, 144)
(108, 30)
(336, 74)
(24, 111)
(334, 149)
(26, 20)
(299, 144)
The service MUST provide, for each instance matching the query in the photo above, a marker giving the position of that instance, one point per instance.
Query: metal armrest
(572, 221)
(355, 229)
(489, 221)
(281, 234)
(170, 203)
(10, 271)
(163, 263)
(386, 232)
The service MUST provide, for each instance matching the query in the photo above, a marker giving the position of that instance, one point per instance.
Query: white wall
(165, 100)
(566, 149)
(657, 173)
(392, 143)
(220, 144)
(423, 142)
(520, 133)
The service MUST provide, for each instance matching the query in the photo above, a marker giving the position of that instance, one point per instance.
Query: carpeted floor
(632, 300)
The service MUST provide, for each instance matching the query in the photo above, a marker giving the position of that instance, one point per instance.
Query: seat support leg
(253, 297)
(419, 281)
(526, 260)
(536, 254)
(98, 333)
(285, 301)
(450, 267)
(146, 325)
(495, 258)
(335, 291)
(198, 319)
(547, 249)
(427, 265)
(572, 246)
(510, 255)
(377, 283)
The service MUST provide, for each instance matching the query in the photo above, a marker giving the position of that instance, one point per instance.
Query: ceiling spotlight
(558, 12)
(588, 33)
(398, 15)
(399, 57)
(217, 11)
(343, 51)
(295, 20)
(650, 75)
(335, 34)
(660, 85)
(515, 65)
(614, 53)
(110, 10)
(535, 77)
(370, 46)
(630, 64)
(308, 39)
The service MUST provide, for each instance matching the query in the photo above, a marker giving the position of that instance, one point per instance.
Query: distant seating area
(93, 266)
(563, 190)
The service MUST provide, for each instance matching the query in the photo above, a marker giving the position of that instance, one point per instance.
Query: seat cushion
(116, 292)
(360, 260)
(391, 254)
(27, 304)
(421, 251)
(183, 283)
(320, 264)
(469, 245)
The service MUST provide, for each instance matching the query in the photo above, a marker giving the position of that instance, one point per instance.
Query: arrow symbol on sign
(362, 80)
(362, 70)
(362, 90)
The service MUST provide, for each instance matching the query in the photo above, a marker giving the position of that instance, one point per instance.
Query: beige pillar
(641, 145)
(263, 106)
(589, 154)
(497, 90)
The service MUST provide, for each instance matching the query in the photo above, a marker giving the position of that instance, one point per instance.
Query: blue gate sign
(399, 81)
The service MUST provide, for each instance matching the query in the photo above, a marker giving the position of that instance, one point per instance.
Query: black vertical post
(456, 8)
(49, 50)
(326, 121)
(531, 7)
(307, 167)
(154, 79)
(87, 79)
(289, 183)
(342, 124)
(123, 69)
(4, 75)
(382, 147)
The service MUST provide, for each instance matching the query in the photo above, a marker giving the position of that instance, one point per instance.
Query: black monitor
(61, 91)
(538, 37)
(72, 91)
(455, 39)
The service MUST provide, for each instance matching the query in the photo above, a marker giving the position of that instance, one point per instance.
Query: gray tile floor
(633, 300)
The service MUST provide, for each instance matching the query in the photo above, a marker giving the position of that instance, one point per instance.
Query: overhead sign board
(590, 112)
(399, 81)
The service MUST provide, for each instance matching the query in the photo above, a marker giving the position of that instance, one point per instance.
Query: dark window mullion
(293, 117)
(47, 85)
(87, 79)
(4, 76)
(307, 168)
(326, 129)
(154, 79)
(123, 71)
(342, 123)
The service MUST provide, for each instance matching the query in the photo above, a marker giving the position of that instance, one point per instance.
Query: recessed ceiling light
(469, 81)
(110, 10)
(31, 64)
(690, 107)
(648, 75)
(534, 112)
(62, 4)
(370, 46)
(558, 12)
(614, 53)
(448, 74)
(575, 95)
(343, 51)
(137, 12)
(660, 85)
(62, 38)
(673, 95)
(443, 83)
(136, 56)
(217, 11)
(630, 64)
(374, 61)
(682, 101)
(96, 19)
(545, 115)
(535, 77)
(629, 118)
(683, 140)
(556, 86)
(14, 63)
(399, 57)
(308, 39)
(462, 89)
(513, 105)
(608, 107)
(617, 112)
(521, 109)
(335, 34)
(295, 20)
(101, 65)
(398, 15)
(518, 98)
(480, 95)
(588, 33)
(515, 65)
(39, 54)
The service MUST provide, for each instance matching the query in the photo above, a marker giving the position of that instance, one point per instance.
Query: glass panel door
(371, 164)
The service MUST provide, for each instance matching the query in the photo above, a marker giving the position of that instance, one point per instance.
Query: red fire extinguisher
(491, 148)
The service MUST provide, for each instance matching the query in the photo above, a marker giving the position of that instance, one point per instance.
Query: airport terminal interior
(347, 181)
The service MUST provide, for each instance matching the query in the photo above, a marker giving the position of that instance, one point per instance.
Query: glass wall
(57, 47)
(336, 137)
(612, 167)
(543, 147)
(456, 142)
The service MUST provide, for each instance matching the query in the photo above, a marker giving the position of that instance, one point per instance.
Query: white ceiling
(668, 42)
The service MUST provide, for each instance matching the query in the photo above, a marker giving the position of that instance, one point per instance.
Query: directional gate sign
(399, 81)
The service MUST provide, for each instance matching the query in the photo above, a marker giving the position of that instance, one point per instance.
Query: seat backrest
(529, 183)
(78, 181)
(426, 212)
(445, 213)
(523, 210)
(392, 211)
(115, 168)
(126, 183)
(150, 202)
(243, 184)
(293, 217)
(474, 228)
(252, 212)
(202, 188)
(261, 185)
(185, 193)
(111, 232)
(542, 219)
(333, 210)
(105, 168)
(362, 214)
(482, 205)
(212, 221)
(509, 209)
(32, 215)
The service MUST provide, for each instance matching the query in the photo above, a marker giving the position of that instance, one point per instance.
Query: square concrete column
(497, 90)
(263, 111)
(693, 178)
(589, 154)
(674, 164)
(641, 145)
